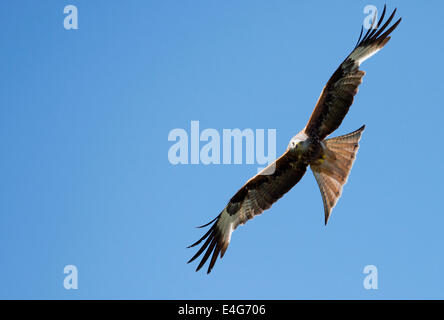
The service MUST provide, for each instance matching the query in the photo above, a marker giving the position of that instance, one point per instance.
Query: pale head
(296, 141)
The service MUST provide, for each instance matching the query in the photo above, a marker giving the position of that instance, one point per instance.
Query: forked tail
(332, 171)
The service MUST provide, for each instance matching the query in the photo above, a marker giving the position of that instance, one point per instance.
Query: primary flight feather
(329, 159)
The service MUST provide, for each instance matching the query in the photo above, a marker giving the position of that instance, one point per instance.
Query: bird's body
(306, 148)
(329, 159)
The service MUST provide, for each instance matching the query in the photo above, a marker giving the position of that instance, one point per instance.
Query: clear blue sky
(85, 177)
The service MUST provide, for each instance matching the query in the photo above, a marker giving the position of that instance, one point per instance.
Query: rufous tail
(331, 172)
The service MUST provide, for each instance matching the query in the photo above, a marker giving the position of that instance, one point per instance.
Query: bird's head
(298, 141)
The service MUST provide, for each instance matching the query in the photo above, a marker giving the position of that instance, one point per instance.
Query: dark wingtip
(360, 35)
(375, 33)
(207, 224)
(212, 244)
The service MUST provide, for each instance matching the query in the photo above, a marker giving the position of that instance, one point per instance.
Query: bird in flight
(329, 159)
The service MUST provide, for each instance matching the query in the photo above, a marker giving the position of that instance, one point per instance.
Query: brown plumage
(331, 173)
(338, 94)
(330, 160)
(257, 195)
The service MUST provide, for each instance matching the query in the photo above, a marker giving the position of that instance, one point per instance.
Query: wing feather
(257, 195)
(338, 94)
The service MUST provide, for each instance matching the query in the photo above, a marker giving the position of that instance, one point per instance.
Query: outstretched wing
(257, 195)
(338, 94)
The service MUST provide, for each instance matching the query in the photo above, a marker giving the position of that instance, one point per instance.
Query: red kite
(330, 159)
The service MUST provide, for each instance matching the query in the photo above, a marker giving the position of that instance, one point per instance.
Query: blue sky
(84, 122)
